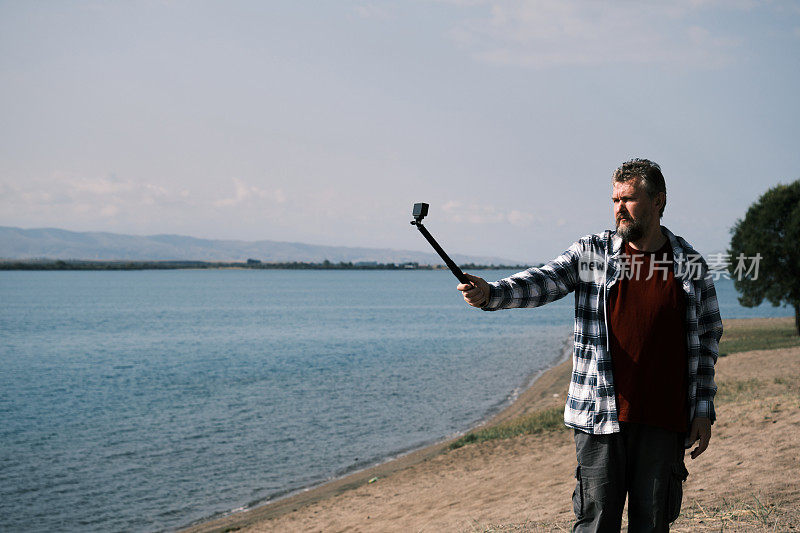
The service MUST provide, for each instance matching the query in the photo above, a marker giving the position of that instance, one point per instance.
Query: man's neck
(651, 242)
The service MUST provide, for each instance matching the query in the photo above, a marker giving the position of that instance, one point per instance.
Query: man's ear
(661, 200)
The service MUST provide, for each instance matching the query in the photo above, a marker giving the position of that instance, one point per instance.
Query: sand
(748, 479)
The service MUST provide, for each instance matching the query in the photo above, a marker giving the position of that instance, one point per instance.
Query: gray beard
(631, 232)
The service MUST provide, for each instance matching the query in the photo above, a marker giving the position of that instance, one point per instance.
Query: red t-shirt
(648, 341)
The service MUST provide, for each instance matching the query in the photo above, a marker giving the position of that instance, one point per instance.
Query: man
(647, 329)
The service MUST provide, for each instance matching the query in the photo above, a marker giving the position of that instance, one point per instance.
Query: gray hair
(649, 175)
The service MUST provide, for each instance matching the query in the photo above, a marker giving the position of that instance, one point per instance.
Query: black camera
(420, 211)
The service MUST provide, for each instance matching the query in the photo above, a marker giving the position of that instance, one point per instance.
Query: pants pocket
(675, 491)
(577, 494)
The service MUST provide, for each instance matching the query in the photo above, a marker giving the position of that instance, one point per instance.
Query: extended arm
(709, 325)
(530, 288)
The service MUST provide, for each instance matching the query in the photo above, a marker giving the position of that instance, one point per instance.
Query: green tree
(770, 228)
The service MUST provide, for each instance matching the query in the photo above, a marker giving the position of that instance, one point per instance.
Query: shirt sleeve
(709, 330)
(538, 285)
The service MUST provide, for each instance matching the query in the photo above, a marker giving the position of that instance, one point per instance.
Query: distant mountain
(51, 243)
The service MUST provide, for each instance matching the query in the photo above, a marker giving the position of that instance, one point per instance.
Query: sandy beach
(745, 481)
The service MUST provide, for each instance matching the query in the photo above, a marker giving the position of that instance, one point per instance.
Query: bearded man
(647, 329)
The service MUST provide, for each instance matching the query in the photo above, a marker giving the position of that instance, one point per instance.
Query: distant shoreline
(251, 264)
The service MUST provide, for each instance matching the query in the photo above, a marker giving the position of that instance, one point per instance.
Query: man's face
(634, 211)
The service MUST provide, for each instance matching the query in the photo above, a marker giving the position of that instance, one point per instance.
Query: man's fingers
(474, 297)
(470, 291)
(705, 438)
(473, 294)
(701, 431)
(476, 292)
(700, 448)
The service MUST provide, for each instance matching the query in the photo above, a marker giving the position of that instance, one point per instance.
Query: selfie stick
(420, 210)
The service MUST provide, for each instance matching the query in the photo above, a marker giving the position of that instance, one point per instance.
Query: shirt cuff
(495, 297)
(705, 409)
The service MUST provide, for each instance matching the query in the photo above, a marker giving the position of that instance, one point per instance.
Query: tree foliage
(770, 228)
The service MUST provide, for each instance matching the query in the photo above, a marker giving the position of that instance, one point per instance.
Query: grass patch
(738, 390)
(752, 513)
(746, 338)
(546, 420)
(744, 390)
(529, 526)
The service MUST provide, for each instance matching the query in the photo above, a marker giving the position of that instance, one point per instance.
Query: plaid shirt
(590, 267)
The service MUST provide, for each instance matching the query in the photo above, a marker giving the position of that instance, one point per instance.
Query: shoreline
(540, 389)
(524, 482)
(178, 264)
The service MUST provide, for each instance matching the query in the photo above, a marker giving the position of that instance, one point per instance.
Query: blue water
(148, 400)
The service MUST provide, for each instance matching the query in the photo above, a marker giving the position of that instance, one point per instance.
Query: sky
(325, 121)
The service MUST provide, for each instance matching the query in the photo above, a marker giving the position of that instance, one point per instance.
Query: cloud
(227, 208)
(546, 33)
(109, 211)
(62, 194)
(97, 186)
(244, 194)
(372, 11)
(65, 199)
(486, 214)
(520, 218)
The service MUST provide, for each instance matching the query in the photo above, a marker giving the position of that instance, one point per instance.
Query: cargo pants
(643, 462)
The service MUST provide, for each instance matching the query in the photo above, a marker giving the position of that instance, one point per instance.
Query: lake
(147, 400)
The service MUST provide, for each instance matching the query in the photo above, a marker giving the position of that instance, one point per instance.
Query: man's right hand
(476, 293)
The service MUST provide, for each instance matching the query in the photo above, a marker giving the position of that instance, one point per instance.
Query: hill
(52, 243)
